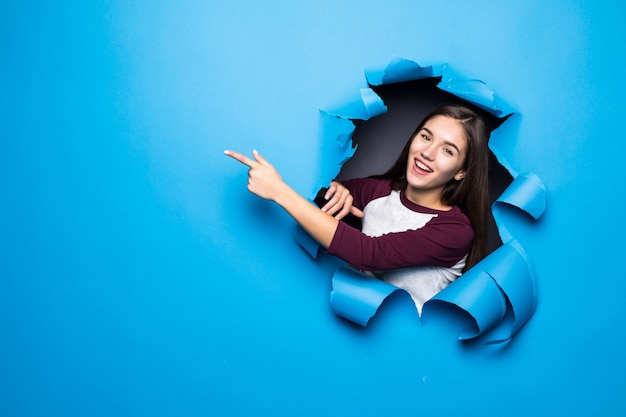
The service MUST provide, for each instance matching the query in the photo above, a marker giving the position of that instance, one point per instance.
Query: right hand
(263, 179)
(340, 202)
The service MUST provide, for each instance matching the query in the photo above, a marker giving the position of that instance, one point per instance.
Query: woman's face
(436, 156)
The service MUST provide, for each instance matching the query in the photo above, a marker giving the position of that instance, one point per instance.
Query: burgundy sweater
(398, 233)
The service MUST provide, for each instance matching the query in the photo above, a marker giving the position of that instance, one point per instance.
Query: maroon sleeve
(364, 190)
(443, 241)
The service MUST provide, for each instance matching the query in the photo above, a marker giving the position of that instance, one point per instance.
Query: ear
(459, 175)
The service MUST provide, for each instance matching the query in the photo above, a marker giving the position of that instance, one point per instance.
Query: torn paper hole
(364, 136)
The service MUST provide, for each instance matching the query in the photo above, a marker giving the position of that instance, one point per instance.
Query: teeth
(422, 166)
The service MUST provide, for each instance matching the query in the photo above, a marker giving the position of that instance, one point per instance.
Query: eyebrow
(446, 142)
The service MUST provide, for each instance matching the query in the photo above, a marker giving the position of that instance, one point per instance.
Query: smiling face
(436, 157)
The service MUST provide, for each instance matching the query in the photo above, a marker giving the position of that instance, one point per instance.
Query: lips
(422, 167)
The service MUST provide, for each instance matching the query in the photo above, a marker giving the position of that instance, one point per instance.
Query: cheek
(413, 148)
(451, 167)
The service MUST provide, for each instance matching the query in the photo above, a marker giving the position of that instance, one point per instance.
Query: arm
(438, 243)
(265, 182)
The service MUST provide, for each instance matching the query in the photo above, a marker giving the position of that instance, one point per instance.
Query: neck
(426, 198)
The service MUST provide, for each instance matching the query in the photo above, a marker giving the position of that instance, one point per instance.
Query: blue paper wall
(138, 277)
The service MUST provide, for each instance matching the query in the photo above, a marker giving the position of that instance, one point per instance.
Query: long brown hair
(471, 194)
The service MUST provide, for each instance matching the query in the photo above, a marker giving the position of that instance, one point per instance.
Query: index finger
(240, 157)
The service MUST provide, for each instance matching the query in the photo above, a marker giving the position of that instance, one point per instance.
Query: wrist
(283, 194)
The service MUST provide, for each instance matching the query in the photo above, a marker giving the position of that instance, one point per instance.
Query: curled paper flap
(374, 105)
(357, 296)
(337, 141)
(476, 293)
(475, 91)
(367, 106)
(398, 70)
(502, 284)
(527, 193)
(515, 275)
(338, 129)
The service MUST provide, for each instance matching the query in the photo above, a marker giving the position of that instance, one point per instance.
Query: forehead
(446, 129)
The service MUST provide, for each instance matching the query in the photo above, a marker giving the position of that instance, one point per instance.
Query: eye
(425, 137)
(449, 151)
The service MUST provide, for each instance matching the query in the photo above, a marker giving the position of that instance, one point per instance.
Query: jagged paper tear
(398, 70)
(338, 129)
(365, 107)
(500, 292)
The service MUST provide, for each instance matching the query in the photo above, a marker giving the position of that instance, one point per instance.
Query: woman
(423, 220)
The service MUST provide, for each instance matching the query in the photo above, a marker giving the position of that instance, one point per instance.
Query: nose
(428, 152)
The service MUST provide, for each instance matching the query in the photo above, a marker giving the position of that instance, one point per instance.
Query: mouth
(422, 167)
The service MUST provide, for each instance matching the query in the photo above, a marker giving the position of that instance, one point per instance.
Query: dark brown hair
(471, 194)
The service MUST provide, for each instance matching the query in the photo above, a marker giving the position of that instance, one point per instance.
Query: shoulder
(454, 215)
(367, 182)
(454, 218)
(447, 225)
(368, 188)
(455, 225)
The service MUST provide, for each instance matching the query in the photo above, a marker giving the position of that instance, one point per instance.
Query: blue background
(138, 277)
